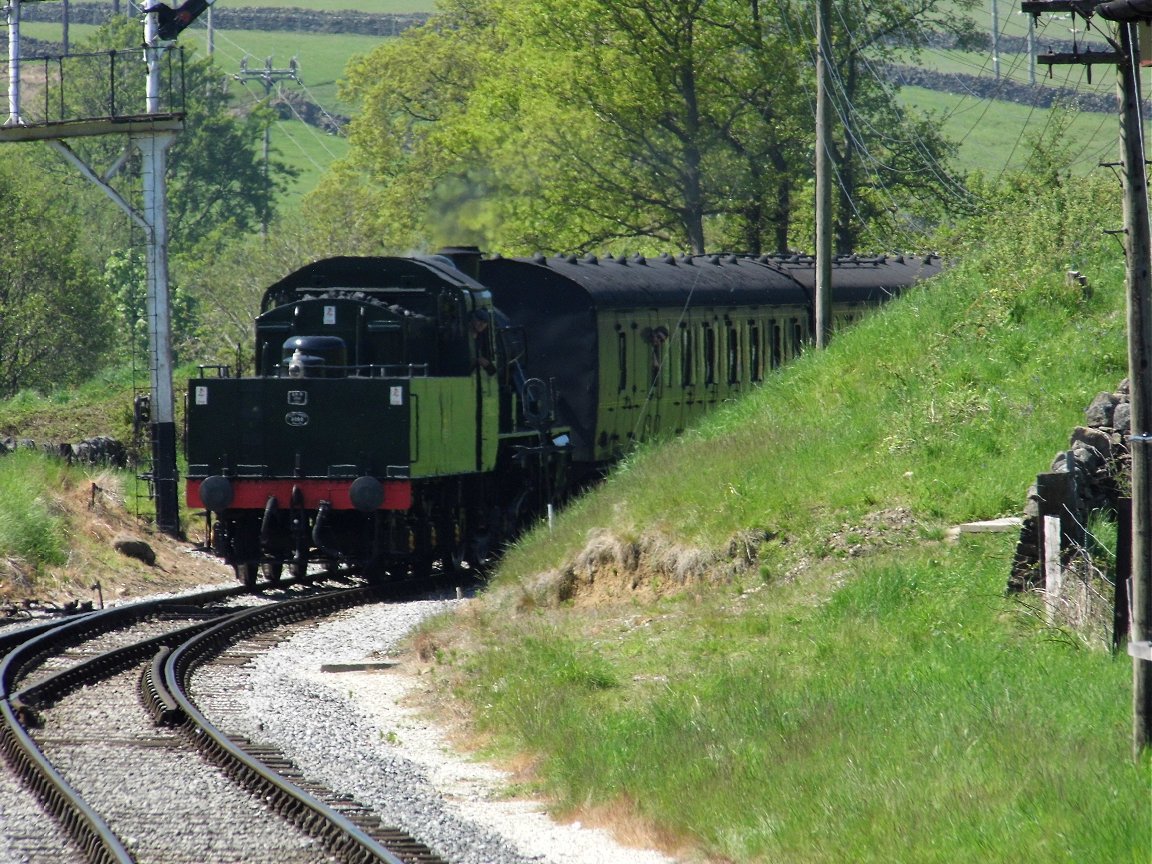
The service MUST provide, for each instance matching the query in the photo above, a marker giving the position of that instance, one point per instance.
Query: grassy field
(995, 137)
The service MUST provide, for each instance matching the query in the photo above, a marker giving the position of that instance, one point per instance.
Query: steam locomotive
(409, 414)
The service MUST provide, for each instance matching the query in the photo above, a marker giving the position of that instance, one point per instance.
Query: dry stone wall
(1090, 477)
(242, 18)
(101, 450)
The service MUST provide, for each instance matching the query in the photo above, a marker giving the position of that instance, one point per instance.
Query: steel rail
(313, 816)
(97, 841)
(95, 838)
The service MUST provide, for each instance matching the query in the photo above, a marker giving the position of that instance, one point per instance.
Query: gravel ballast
(348, 729)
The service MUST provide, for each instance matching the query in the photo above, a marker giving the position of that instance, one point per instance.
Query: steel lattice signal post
(1128, 15)
(152, 132)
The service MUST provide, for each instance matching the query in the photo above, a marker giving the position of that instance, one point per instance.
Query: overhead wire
(236, 53)
(1013, 76)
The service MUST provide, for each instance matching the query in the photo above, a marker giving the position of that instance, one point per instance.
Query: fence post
(1120, 614)
(1053, 568)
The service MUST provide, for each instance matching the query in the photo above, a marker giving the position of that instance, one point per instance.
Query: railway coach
(412, 413)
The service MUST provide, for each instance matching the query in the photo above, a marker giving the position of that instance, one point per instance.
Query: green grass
(29, 528)
(908, 717)
(865, 691)
(322, 58)
(307, 149)
(996, 137)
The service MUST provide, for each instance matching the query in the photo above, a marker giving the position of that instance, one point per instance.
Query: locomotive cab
(359, 438)
(314, 357)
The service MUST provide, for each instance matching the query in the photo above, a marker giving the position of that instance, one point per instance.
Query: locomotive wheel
(300, 568)
(247, 573)
(273, 570)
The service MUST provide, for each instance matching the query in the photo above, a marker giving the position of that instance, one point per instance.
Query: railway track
(95, 719)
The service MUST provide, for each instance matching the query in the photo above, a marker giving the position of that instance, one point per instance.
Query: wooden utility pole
(1138, 254)
(823, 302)
(269, 77)
(996, 39)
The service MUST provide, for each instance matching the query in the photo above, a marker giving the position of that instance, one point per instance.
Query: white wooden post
(1053, 572)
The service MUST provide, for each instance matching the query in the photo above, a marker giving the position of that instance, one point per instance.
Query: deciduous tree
(55, 322)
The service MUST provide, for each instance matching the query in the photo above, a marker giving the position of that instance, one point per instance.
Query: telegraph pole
(1138, 258)
(269, 77)
(823, 302)
(1139, 345)
(996, 39)
(1139, 251)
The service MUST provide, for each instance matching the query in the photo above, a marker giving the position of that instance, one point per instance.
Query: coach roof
(716, 280)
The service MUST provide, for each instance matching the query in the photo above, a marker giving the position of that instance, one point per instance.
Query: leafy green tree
(217, 183)
(55, 318)
(126, 281)
(571, 124)
(540, 124)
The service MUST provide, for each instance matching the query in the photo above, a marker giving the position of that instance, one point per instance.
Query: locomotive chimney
(466, 259)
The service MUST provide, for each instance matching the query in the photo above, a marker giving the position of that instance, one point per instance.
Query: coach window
(797, 337)
(622, 358)
(658, 339)
(686, 358)
(733, 354)
(755, 367)
(709, 354)
(777, 345)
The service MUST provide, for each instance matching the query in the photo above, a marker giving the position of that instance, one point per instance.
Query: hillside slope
(753, 640)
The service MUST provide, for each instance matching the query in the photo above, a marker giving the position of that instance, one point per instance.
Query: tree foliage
(217, 182)
(539, 124)
(55, 323)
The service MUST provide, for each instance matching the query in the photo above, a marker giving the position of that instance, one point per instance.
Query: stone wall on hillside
(1091, 477)
(101, 450)
(1004, 90)
(246, 18)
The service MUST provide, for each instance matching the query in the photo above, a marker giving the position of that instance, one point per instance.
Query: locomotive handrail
(362, 370)
(414, 437)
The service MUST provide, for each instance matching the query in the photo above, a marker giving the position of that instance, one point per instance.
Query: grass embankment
(30, 530)
(859, 690)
